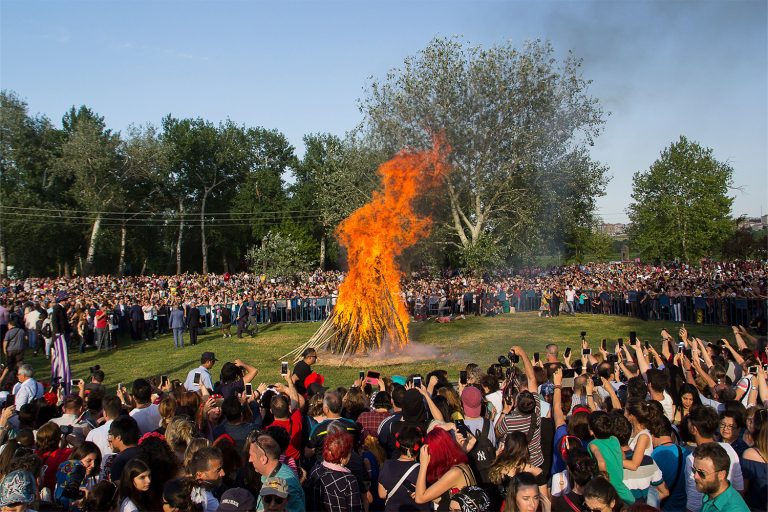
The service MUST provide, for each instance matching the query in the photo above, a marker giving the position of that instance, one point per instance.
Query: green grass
(476, 339)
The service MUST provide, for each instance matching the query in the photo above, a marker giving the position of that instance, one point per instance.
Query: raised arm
(557, 399)
(518, 350)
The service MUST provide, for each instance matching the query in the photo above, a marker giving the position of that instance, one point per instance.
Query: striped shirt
(517, 422)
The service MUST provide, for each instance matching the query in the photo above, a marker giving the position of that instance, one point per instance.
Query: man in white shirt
(27, 390)
(72, 409)
(207, 360)
(702, 424)
(146, 414)
(111, 406)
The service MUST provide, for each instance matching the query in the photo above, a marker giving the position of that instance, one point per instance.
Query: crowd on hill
(612, 428)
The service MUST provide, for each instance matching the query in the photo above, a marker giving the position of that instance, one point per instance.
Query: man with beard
(710, 471)
(206, 468)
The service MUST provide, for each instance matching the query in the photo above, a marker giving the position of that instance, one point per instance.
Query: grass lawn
(449, 346)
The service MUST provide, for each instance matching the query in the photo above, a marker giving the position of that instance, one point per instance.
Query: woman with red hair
(443, 468)
(331, 487)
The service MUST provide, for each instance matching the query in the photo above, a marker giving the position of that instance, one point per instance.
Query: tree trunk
(203, 245)
(144, 266)
(92, 246)
(225, 262)
(322, 252)
(121, 262)
(178, 240)
(80, 264)
(66, 269)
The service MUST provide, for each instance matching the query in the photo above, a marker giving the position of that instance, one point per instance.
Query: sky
(661, 69)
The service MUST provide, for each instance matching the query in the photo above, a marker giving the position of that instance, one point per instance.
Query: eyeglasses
(271, 498)
(702, 473)
(727, 426)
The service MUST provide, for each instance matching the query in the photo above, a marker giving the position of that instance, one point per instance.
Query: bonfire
(370, 313)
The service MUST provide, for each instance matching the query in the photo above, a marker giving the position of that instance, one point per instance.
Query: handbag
(400, 482)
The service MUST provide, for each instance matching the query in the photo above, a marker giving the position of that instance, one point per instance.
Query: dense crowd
(144, 304)
(616, 427)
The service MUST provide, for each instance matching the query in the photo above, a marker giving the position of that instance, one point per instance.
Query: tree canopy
(681, 208)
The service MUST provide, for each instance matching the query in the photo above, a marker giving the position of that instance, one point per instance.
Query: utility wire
(140, 212)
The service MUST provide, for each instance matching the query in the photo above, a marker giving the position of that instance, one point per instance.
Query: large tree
(518, 123)
(681, 208)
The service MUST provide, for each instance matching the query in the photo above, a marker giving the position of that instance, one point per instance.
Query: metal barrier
(687, 309)
(297, 309)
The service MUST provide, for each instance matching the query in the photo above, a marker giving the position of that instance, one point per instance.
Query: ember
(370, 313)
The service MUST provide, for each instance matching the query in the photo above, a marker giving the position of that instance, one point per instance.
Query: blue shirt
(296, 501)
(666, 457)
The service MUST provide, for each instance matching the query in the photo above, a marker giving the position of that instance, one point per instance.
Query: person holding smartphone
(202, 374)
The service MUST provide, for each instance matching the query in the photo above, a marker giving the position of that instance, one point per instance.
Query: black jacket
(59, 322)
(193, 317)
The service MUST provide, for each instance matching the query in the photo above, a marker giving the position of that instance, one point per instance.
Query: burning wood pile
(370, 312)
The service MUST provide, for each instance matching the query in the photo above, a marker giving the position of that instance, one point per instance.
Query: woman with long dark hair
(523, 495)
(600, 495)
(134, 487)
(443, 467)
(177, 496)
(513, 459)
(687, 397)
(404, 470)
(162, 463)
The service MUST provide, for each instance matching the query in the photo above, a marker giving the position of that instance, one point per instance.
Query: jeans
(101, 338)
(32, 335)
(571, 309)
(178, 338)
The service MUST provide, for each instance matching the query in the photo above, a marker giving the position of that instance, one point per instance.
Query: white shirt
(205, 498)
(734, 476)
(27, 392)
(205, 379)
(98, 436)
(31, 318)
(496, 399)
(147, 418)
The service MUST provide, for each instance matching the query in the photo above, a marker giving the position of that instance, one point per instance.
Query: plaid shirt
(370, 421)
(333, 487)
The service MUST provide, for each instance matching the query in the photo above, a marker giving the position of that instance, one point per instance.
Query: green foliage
(283, 253)
(518, 123)
(681, 207)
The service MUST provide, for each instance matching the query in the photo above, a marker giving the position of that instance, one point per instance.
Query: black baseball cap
(208, 356)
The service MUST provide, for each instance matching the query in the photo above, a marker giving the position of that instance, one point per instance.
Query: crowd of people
(611, 427)
(145, 305)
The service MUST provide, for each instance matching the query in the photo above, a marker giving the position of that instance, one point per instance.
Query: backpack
(483, 454)
(46, 330)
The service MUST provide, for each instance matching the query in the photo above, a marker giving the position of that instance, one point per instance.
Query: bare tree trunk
(204, 246)
(178, 240)
(144, 266)
(121, 262)
(322, 252)
(66, 269)
(58, 268)
(224, 260)
(80, 264)
(92, 246)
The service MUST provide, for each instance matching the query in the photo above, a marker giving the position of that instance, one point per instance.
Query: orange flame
(369, 309)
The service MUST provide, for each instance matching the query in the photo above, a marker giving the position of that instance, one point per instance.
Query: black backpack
(483, 454)
(45, 329)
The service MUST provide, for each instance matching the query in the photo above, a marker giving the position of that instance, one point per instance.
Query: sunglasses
(702, 473)
(270, 498)
(588, 509)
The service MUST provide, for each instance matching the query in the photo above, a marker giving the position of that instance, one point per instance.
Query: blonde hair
(193, 447)
(167, 410)
(179, 432)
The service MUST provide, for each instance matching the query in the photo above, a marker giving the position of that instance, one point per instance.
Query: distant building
(753, 223)
(613, 229)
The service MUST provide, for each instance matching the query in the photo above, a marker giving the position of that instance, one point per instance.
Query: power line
(151, 213)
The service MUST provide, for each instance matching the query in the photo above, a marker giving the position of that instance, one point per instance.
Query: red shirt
(293, 426)
(101, 323)
(52, 460)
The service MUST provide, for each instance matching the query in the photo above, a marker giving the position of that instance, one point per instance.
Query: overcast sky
(661, 69)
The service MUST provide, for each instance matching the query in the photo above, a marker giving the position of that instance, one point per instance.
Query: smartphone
(569, 375)
(752, 370)
(536, 357)
(604, 344)
(361, 375)
(74, 382)
(417, 381)
(680, 348)
(596, 380)
(765, 367)
(647, 344)
(586, 351)
(284, 368)
(621, 342)
(373, 377)
(583, 334)
(163, 380)
(632, 337)
(463, 377)
(119, 385)
(462, 427)
(196, 379)
(567, 352)
(249, 389)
